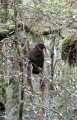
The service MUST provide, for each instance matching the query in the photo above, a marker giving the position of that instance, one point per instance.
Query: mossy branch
(11, 30)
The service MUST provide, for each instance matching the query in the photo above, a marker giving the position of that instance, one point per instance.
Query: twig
(58, 114)
(3, 61)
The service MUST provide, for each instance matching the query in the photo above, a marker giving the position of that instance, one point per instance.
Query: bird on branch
(36, 57)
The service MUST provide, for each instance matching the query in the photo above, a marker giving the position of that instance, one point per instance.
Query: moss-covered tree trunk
(4, 11)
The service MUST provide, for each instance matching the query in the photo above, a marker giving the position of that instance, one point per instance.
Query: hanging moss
(66, 44)
(20, 24)
(69, 49)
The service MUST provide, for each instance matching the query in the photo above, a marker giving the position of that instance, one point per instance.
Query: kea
(36, 57)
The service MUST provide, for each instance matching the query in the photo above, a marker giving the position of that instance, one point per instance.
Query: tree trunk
(4, 12)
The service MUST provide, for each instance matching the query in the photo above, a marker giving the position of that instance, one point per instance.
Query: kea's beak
(44, 47)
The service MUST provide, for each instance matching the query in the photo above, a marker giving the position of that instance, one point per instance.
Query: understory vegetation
(51, 94)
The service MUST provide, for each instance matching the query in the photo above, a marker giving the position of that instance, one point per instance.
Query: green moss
(20, 1)
(66, 43)
(11, 23)
(11, 27)
(57, 29)
(3, 33)
(20, 23)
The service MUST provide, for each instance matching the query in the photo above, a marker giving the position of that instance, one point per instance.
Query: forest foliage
(51, 95)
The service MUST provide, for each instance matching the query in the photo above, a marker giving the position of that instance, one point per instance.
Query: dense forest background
(23, 23)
